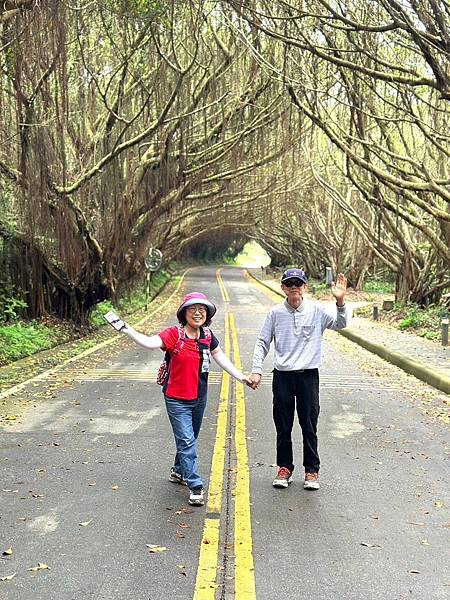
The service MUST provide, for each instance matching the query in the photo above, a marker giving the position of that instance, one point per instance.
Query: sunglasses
(294, 283)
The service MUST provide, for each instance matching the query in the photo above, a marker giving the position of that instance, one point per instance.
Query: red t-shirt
(188, 369)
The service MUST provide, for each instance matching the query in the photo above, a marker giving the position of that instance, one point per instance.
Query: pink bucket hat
(197, 298)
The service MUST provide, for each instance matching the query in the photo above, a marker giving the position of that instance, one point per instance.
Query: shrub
(425, 321)
(11, 307)
(17, 341)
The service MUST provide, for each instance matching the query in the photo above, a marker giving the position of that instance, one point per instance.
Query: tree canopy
(319, 129)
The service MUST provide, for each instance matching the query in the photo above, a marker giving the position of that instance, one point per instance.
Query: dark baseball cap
(294, 274)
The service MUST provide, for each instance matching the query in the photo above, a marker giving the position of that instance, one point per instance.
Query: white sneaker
(283, 478)
(197, 496)
(311, 481)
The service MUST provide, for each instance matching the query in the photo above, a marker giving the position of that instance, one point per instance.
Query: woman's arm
(225, 363)
(151, 342)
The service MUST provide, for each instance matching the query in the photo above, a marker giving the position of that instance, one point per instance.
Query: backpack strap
(180, 341)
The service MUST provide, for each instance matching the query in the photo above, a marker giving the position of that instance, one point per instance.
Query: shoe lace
(283, 472)
(311, 476)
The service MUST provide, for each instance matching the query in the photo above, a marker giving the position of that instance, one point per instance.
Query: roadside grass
(20, 339)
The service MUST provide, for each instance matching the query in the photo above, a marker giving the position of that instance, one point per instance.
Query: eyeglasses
(196, 308)
(294, 283)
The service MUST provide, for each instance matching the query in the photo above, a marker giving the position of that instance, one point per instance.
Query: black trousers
(296, 390)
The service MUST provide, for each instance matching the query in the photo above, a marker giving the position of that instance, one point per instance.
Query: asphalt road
(84, 483)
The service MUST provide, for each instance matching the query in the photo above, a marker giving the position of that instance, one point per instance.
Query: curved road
(84, 482)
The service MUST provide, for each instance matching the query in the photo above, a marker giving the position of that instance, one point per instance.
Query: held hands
(339, 288)
(249, 382)
(255, 380)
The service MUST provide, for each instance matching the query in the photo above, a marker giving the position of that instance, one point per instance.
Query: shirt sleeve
(334, 322)
(214, 342)
(262, 345)
(169, 337)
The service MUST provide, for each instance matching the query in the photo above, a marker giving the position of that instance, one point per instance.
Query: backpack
(163, 371)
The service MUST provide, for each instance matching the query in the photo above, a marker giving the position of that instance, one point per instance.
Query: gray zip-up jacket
(297, 334)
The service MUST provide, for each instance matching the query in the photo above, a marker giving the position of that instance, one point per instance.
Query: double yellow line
(208, 568)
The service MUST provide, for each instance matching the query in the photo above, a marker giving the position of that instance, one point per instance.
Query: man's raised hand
(339, 288)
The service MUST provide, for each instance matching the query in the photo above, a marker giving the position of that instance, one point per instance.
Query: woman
(188, 350)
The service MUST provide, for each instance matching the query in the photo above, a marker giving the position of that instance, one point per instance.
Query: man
(297, 326)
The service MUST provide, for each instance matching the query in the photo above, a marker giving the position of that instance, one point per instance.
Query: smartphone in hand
(114, 320)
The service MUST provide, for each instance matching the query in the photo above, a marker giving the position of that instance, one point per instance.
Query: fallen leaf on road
(154, 548)
(414, 571)
(425, 542)
(85, 523)
(205, 541)
(35, 495)
(114, 487)
(183, 525)
(40, 567)
(416, 523)
(439, 504)
(371, 545)
(7, 552)
(7, 577)
(184, 510)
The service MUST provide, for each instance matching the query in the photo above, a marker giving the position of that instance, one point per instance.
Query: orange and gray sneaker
(311, 481)
(283, 478)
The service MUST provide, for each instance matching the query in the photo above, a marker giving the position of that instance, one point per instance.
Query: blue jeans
(186, 417)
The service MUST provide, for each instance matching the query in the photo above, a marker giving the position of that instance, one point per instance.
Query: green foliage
(135, 7)
(375, 285)
(319, 286)
(17, 341)
(11, 307)
(96, 317)
(424, 321)
(252, 255)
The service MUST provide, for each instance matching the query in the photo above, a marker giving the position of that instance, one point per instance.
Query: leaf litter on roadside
(154, 548)
(39, 567)
(85, 523)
